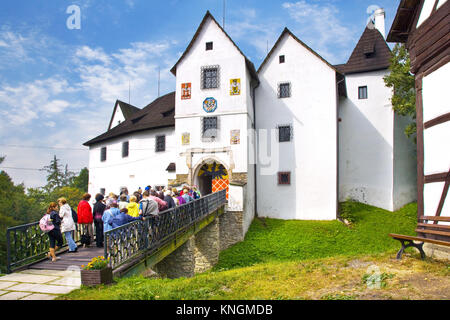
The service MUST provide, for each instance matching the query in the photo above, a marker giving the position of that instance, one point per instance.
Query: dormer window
(282, 59)
(209, 46)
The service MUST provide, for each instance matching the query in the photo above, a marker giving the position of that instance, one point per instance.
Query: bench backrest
(437, 228)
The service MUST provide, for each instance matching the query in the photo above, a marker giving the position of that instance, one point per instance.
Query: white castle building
(289, 140)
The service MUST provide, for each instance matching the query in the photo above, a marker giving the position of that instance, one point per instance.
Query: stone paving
(38, 284)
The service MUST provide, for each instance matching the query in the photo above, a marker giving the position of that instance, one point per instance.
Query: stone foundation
(437, 252)
(231, 229)
(201, 252)
(180, 180)
(180, 263)
(207, 248)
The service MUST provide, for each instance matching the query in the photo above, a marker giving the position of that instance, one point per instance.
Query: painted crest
(235, 87)
(186, 91)
(210, 105)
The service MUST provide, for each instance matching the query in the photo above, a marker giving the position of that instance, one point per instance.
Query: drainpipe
(256, 155)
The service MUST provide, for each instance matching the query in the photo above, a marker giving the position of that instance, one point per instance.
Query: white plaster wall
(436, 99)
(311, 155)
(232, 111)
(405, 164)
(118, 118)
(366, 141)
(142, 167)
(441, 2)
(426, 11)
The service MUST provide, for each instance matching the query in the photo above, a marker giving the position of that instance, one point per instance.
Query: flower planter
(96, 277)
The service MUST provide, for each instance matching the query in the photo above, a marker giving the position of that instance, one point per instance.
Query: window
(284, 133)
(210, 77)
(282, 59)
(103, 154)
(125, 149)
(103, 191)
(362, 93)
(284, 90)
(209, 46)
(284, 178)
(210, 128)
(160, 143)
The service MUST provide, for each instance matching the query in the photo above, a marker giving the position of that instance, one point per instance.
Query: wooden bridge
(131, 248)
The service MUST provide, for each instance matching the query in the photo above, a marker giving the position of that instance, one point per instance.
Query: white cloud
(319, 26)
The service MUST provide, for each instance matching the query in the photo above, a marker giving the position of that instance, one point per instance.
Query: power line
(34, 169)
(41, 147)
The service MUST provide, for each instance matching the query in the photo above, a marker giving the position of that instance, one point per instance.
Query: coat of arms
(210, 105)
(186, 91)
(235, 88)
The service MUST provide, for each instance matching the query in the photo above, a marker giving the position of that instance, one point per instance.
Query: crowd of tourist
(108, 213)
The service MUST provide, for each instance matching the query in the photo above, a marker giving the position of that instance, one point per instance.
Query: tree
(402, 81)
(56, 178)
(81, 181)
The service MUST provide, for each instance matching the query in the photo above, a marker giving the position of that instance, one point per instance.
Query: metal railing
(27, 244)
(127, 242)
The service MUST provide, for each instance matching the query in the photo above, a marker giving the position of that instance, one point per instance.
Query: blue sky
(58, 86)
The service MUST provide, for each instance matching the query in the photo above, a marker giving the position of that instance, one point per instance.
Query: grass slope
(279, 240)
(289, 260)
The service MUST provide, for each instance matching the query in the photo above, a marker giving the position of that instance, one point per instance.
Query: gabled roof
(127, 110)
(370, 54)
(208, 15)
(403, 21)
(287, 31)
(158, 114)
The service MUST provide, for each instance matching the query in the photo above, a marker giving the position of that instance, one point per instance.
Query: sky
(59, 84)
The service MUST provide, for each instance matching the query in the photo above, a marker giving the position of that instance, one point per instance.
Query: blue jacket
(107, 215)
(122, 219)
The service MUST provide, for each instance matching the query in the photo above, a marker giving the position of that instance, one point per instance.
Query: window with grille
(284, 90)
(210, 127)
(103, 154)
(125, 149)
(282, 59)
(160, 143)
(284, 133)
(284, 178)
(209, 46)
(362, 92)
(210, 77)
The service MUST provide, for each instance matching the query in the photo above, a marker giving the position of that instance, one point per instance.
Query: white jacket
(67, 224)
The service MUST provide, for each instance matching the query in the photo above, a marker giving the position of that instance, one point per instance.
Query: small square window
(125, 149)
(282, 59)
(210, 78)
(284, 90)
(362, 93)
(284, 133)
(284, 178)
(160, 143)
(210, 128)
(103, 191)
(209, 46)
(103, 154)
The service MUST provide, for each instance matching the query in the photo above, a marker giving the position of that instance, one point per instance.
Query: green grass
(281, 260)
(278, 240)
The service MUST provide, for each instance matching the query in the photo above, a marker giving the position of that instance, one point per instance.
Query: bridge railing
(27, 244)
(126, 242)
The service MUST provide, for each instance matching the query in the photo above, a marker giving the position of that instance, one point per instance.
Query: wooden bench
(433, 232)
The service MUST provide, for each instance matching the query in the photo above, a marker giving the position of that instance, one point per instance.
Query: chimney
(380, 21)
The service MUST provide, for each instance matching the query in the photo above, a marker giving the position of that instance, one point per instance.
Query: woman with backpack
(86, 218)
(67, 225)
(55, 236)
